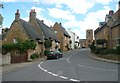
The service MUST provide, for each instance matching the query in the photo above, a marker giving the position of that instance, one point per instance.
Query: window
(15, 40)
(65, 38)
(56, 32)
(118, 41)
(17, 52)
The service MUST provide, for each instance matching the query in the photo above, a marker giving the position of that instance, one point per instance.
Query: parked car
(54, 55)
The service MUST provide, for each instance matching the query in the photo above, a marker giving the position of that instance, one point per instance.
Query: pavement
(93, 56)
(12, 67)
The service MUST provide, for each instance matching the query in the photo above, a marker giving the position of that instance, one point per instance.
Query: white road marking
(45, 70)
(97, 68)
(49, 72)
(74, 80)
(63, 77)
(69, 59)
(54, 74)
(39, 65)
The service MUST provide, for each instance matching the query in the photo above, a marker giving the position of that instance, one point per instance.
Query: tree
(1, 19)
(47, 44)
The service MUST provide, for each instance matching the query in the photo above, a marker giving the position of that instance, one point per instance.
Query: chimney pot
(17, 10)
(17, 15)
(34, 10)
(42, 21)
(60, 23)
(32, 14)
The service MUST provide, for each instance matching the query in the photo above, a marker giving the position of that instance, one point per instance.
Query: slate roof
(48, 32)
(116, 23)
(99, 28)
(30, 30)
(63, 30)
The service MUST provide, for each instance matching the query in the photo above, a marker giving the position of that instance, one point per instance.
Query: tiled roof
(30, 30)
(48, 32)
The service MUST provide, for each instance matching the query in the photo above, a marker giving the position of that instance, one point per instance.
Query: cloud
(104, 2)
(40, 16)
(60, 14)
(91, 21)
(76, 6)
(8, 0)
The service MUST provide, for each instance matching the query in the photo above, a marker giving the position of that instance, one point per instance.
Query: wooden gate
(19, 58)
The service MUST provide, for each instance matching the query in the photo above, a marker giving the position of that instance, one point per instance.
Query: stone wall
(5, 59)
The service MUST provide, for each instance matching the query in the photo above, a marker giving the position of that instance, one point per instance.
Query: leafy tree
(47, 44)
(1, 19)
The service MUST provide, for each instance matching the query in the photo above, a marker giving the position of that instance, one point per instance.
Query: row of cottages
(34, 30)
(110, 29)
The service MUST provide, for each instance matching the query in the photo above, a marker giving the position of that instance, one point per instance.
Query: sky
(75, 15)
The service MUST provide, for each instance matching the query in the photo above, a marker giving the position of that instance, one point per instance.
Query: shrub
(59, 50)
(46, 52)
(48, 43)
(92, 47)
(103, 52)
(36, 55)
(97, 50)
(32, 56)
(111, 51)
(117, 50)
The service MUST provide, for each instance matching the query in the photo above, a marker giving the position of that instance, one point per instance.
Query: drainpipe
(110, 36)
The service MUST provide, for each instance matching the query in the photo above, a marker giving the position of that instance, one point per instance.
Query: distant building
(77, 43)
(89, 37)
(72, 34)
(83, 43)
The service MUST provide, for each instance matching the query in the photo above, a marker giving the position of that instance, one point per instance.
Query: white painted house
(72, 34)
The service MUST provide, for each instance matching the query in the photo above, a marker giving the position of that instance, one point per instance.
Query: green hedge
(34, 56)
(46, 52)
(117, 51)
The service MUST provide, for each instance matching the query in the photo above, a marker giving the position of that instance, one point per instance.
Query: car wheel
(57, 57)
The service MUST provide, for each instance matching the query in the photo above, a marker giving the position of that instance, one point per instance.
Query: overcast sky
(78, 15)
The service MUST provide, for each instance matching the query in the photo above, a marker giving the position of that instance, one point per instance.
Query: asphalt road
(74, 66)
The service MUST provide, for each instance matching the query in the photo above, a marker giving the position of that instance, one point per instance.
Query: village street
(74, 66)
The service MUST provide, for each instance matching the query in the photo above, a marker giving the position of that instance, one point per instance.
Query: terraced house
(42, 29)
(34, 30)
(110, 30)
(22, 31)
(63, 36)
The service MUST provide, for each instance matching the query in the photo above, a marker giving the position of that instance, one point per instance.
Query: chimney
(32, 15)
(42, 21)
(60, 23)
(111, 12)
(17, 15)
